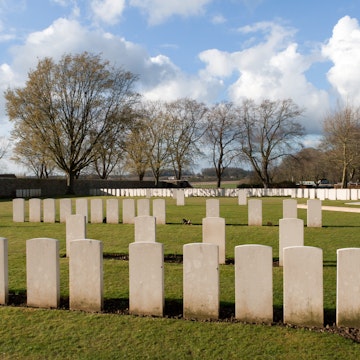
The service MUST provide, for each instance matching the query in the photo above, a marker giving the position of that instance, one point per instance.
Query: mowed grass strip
(49, 334)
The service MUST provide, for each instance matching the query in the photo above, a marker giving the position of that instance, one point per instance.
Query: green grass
(28, 333)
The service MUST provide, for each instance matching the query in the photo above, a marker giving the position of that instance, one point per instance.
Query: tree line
(82, 114)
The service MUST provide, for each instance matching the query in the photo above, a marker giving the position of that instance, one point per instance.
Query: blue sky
(209, 50)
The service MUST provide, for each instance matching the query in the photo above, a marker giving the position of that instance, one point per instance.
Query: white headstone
(43, 273)
(86, 275)
(255, 212)
(146, 278)
(213, 232)
(242, 197)
(180, 197)
(19, 210)
(97, 211)
(303, 286)
(159, 211)
(49, 210)
(253, 283)
(290, 208)
(4, 278)
(314, 213)
(128, 211)
(291, 233)
(82, 208)
(112, 211)
(65, 209)
(201, 281)
(34, 210)
(212, 208)
(75, 229)
(143, 207)
(145, 229)
(348, 288)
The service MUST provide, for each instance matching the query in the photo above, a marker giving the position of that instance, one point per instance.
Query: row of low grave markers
(314, 214)
(303, 280)
(322, 194)
(48, 210)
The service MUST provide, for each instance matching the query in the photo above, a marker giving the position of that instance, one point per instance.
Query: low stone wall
(31, 187)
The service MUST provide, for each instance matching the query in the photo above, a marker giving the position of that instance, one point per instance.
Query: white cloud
(272, 68)
(108, 11)
(343, 49)
(159, 11)
(218, 19)
(62, 2)
(158, 76)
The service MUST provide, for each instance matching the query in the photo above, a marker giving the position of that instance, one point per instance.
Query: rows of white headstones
(302, 268)
(310, 193)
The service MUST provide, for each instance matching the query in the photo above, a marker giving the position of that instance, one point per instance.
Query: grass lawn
(29, 333)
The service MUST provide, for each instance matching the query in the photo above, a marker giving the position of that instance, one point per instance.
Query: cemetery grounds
(31, 333)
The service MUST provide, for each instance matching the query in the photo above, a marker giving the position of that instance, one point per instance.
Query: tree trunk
(344, 177)
(70, 177)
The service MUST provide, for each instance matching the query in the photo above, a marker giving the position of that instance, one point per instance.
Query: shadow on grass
(329, 316)
(329, 263)
(173, 308)
(340, 226)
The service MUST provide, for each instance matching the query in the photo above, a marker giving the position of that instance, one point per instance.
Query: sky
(208, 50)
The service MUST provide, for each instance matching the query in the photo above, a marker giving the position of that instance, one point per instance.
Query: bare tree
(69, 107)
(268, 132)
(137, 149)
(4, 146)
(307, 164)
(341, 130)
(155, 137)
(222, 135)
(110, 150)
(185, 126)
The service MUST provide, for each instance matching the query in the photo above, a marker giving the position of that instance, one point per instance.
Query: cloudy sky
(209, 50)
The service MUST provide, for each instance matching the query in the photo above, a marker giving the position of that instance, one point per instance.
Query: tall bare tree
(269, 131)
(4, 146)
(222, 135)
(155, 138)
(307, 164)
(110, 150)
(185, 126)
(341, 130)
(137, 149)
(70, 106)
